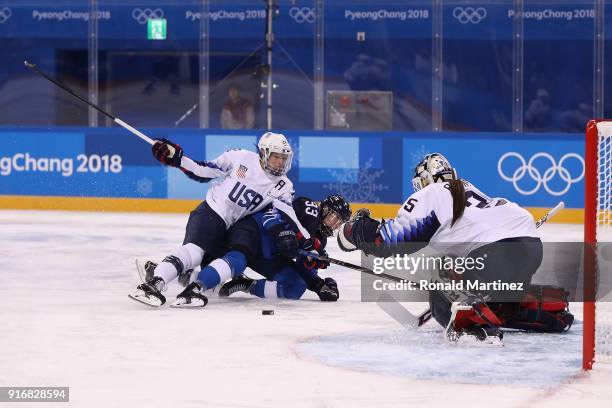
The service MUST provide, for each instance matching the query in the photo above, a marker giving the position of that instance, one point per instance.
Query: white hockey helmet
(275, 143)
(434, 168)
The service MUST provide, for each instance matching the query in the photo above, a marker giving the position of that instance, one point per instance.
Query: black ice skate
(185, 278)
(191, 297)
(145, 269)
(150, 293)
(238, 284)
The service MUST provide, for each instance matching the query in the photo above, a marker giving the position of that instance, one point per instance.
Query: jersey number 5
(409, 206)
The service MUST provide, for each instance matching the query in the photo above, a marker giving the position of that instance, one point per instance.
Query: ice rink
(67, 321)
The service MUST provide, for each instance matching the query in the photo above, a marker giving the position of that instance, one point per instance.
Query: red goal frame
(591, 204)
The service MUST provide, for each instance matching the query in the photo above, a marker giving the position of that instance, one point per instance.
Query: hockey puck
(267, 312)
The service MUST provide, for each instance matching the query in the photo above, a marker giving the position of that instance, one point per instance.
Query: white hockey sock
(270, 290)
(166, 271)
(222, 268)
(190, 256)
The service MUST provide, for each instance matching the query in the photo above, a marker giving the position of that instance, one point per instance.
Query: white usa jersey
(244, 188)
(426, 216)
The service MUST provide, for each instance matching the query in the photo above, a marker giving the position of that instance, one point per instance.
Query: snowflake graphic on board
(144, 186)
(417, 155)
(358, 185)
(295, 148)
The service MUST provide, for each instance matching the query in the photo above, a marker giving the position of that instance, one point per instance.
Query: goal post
(597, 343)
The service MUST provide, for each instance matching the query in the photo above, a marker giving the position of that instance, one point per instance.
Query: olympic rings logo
(469, 14)
(541, 179)
(302, 14)
(143, 15)
(5, 14)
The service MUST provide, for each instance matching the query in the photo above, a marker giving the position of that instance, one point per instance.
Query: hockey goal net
(597, 345)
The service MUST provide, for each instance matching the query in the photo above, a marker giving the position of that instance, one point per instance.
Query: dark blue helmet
(334, 211)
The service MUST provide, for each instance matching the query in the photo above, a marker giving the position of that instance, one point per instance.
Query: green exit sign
(156, 29)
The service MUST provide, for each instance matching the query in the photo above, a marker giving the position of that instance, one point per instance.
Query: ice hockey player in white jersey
(248, 182)
(456, 219)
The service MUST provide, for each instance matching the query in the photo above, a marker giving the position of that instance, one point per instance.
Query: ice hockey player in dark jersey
(451, 215)
(270, 243)
(249, 182)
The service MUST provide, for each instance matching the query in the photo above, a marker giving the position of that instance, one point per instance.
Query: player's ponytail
(458, 193)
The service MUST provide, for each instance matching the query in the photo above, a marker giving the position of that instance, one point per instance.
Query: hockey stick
(551, 213)
(277, 203)
(118, 121)
(115, 119)
(386, 302)
(350, 266)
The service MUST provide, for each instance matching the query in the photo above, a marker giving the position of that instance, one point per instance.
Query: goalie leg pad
(544, 309)
(541, 321)
(478, 314)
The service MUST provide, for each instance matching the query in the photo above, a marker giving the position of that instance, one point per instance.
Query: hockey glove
(287, 244)
(326, 289)
(310, 244)
(316, 263)
(361, 234)
(167, 152)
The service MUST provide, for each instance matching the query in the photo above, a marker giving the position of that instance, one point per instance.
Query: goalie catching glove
(362, 233)
(167, 152)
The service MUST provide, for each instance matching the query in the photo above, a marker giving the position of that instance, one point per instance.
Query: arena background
(503, 88)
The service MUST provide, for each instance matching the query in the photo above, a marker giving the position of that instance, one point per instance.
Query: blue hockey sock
(258, 288)
(232, 264)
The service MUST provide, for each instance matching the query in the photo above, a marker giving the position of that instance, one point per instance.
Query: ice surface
(67, 321)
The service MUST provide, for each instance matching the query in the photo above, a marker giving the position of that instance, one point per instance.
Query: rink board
(110, 169)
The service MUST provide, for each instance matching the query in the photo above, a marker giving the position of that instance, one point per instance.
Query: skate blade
(152, 302)
(473, 341)
(187, 306)
(197, 304)
(140, 267)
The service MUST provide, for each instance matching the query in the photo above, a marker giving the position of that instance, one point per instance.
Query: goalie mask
(275, 153)
(334, 212)
(434, 168)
